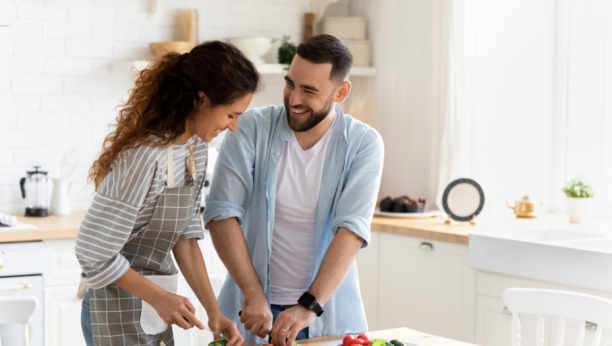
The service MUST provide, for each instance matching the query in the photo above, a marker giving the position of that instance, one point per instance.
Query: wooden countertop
(67, 227)
(401, 334)
(51, 227)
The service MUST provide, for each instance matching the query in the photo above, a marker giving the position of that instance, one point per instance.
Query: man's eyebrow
(303, 86)
(238, 113)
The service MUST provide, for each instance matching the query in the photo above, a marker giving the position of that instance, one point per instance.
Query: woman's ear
(202, 94)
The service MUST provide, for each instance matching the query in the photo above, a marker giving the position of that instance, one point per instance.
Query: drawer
(21, 258)
(61, 265)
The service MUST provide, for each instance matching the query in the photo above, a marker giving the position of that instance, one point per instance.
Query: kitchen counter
(67, 227)
(402, 334)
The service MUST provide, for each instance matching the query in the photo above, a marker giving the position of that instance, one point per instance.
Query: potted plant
(286, 51)
(579, 200)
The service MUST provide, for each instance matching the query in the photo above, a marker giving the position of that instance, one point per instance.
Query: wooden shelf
(280, 69)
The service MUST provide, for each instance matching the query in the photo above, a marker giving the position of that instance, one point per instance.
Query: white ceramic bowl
(253, 47)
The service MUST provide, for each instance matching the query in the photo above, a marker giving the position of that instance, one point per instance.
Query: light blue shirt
(244, 187)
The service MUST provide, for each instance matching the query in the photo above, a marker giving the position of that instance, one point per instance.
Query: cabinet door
(62, 317)
(493, 325)
(427, 286)
(61, 267)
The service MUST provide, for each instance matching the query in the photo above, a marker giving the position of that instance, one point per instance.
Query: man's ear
(342, 91)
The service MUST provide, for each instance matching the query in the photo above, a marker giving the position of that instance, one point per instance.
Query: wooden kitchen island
(401, 334)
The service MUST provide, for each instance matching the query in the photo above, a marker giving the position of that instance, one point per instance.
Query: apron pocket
(150, 321)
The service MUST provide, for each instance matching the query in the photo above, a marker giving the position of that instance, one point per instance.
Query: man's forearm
(231, 247)
(336, 264)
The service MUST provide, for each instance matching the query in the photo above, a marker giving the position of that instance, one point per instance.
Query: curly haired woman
(149, 179)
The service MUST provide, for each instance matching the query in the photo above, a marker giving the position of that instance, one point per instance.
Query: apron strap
(170, 167)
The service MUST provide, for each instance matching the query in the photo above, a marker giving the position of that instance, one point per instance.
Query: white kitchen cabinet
(62, 316)
(493, 324)
(425, 285)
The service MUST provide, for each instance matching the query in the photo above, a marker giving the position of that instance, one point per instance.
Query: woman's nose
(233, 125)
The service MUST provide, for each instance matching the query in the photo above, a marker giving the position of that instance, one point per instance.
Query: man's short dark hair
(325, 48)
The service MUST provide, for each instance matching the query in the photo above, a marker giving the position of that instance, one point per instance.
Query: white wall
(513, 119)
(65, 66)
(402, 37)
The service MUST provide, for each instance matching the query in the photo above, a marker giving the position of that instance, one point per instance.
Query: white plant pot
(580, 210)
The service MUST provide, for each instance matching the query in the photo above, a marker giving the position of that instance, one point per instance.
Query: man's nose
(295, 98)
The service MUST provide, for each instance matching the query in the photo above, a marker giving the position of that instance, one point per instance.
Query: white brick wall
(65, 66)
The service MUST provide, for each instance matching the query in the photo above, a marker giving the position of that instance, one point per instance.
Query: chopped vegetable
(347, 340)
(218, 343)
(378, 342)
(397, 343)
(363, 337)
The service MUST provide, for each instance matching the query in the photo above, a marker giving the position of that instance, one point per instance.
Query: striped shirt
(124, 205)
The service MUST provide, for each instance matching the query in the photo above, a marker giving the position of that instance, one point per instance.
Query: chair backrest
(563, 304)
(216, 281)
(17, 310)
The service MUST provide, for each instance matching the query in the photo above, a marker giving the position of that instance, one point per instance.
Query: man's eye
(231, 116)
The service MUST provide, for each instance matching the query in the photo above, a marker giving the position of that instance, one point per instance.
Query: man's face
(309, 94)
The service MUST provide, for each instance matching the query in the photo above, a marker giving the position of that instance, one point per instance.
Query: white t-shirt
(298, 183)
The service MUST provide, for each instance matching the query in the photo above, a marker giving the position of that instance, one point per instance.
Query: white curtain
(454, 94)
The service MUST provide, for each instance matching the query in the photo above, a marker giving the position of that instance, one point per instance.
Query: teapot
(525, 207)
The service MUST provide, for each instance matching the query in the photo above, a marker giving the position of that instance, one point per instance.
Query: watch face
(306, 300)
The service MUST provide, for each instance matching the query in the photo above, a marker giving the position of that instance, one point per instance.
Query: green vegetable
(396, 343)
(218, 343)
(378, 342)
(388, 344)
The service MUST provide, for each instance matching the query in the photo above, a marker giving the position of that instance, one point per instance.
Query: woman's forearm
(189, 259)
(139, 286)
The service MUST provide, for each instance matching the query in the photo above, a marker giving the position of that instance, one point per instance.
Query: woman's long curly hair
(165, 97)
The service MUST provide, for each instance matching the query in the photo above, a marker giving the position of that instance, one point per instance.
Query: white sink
(561, 256)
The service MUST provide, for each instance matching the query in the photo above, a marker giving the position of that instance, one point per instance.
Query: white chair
(582, 307)
(17, 310)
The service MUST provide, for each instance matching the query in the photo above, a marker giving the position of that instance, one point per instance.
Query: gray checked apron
(117, 316)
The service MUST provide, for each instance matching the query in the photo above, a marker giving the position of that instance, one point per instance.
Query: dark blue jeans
(86, 320)
(277, 309)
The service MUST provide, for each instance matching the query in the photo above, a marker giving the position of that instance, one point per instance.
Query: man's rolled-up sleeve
(232, 184)
(356, 205)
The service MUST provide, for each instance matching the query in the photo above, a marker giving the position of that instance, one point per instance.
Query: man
(291, 204)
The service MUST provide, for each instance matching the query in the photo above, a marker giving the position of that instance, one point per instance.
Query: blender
(35, 188)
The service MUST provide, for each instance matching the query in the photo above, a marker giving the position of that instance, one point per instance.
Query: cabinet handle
(21, 286)
(590, 326)
(506, 311)
(425, 246)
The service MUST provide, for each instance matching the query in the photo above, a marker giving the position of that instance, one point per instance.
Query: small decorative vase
(580, 209)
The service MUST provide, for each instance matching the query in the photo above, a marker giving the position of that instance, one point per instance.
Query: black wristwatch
(309, 301)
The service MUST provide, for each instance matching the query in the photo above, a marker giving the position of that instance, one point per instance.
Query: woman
(149, 180)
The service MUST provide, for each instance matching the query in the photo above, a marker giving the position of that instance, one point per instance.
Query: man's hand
(289, 323)
(256, 315)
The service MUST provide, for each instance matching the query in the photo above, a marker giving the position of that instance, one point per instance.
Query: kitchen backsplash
(65, 66)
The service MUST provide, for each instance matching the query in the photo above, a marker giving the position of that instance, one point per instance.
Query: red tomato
(363, 337)
(356, 342)
(347, 339)
(368, 342)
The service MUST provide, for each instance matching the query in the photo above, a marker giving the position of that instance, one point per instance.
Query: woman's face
(214, 120)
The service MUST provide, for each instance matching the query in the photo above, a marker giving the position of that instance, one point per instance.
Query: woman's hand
(223, 325)
(175, 309)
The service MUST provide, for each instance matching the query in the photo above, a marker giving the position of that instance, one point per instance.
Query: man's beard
(313, 120)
